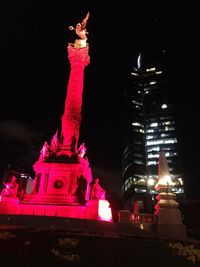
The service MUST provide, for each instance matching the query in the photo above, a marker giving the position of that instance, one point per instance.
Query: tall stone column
(71, 119)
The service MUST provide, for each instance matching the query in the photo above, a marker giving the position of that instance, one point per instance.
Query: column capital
(78, 55)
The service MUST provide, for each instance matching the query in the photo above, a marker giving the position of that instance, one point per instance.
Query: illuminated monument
(62, 185)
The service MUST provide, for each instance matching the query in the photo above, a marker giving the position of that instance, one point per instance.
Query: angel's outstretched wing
(84, 21)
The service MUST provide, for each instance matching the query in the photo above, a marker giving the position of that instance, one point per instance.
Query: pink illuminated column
(71, 118)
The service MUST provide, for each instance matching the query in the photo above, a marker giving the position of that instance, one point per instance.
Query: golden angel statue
(80, 28)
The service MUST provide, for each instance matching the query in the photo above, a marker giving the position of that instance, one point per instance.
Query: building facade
(149, 128)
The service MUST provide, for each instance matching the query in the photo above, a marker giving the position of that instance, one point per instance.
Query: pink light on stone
(104, 211)
(71, 118)
(63, 177)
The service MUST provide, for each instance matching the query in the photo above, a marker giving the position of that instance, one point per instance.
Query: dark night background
(35, 71)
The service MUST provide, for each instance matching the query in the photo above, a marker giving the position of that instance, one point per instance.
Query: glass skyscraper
(149, 127)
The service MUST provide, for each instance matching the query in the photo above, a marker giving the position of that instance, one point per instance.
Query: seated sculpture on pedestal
(97, 192)
(11, 188)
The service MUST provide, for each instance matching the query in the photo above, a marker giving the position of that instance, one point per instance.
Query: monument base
(169, 217)
(60, 180)
(91, 211)
(54, 200)
(172, 231)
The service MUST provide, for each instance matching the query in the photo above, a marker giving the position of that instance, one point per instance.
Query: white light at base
(166, 180)
(151, 182)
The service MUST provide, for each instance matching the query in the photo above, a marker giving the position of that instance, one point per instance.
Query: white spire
(164, 178)
(163, 168)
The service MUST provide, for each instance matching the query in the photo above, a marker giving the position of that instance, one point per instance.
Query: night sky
(35, 71)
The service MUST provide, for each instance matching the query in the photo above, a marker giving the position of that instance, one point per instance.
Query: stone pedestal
(64, 183)
(169, 217)
(90, 211)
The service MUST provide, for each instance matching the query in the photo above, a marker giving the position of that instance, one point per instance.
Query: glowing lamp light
(151, 182)
(166, 180)
(104, 211)
(164, 106)
(180, 180)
